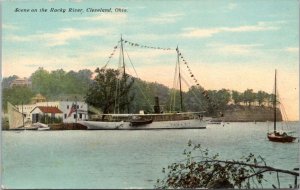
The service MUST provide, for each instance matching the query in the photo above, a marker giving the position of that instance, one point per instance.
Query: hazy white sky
(227, 44)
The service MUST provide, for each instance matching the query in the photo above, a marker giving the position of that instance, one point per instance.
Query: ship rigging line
(111, 55)
(146, 98)
(283, 112)
(199, 101)
(180, 57)
(173, 94)
(281, 108)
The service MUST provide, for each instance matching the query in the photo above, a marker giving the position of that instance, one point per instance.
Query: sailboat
(16, 119)
(277, 136)
(156, 120)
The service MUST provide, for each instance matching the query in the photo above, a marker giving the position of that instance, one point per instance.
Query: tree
(249, 96)
(209, 171)
(223, 97)
(195, 100)
(109, 91)
(218, 100)
(16, 95)
(271, 99)
(61, 84)
(8, 80)
(237, 97)
(40, 81)
(261, 97)
(142, 98)
(144, 94)
(56, 82)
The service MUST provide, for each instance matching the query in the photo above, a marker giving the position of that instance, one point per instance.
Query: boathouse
(72, 111)
(45, 112)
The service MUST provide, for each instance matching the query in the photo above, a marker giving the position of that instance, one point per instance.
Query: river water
(129, 159)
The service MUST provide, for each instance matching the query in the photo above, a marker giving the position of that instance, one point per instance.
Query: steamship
(157, 120)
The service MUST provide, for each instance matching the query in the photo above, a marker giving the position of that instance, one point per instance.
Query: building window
(77, 106)
(80, 116)
(65, 115)
(67, 106)
(75, 116)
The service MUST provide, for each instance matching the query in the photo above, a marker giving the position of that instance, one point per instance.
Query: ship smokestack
(156, 105)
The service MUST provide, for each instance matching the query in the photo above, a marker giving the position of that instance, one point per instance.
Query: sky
(235, 45)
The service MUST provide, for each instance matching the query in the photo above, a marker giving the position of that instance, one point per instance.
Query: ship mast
(124, 72)
(123, 62)
(179, 76)
(274, 103)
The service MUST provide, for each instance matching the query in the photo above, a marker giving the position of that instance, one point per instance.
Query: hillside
(72, 86)
(239, 113)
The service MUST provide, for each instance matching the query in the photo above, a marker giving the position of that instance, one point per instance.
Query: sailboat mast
(123, 62)
(179, 76)
(274, 103)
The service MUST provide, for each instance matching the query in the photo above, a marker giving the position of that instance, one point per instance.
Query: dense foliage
(201, 170)
(109, 91)
(16, 95)
(62, 85)
(54, 85)
(58, 82)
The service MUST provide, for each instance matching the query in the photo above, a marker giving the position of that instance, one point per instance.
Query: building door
(35, 118)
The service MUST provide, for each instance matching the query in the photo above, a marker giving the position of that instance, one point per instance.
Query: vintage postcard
(150, 94)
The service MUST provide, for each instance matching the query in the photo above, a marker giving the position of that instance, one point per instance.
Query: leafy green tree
(71, 83)
(40, 81)
(145, 93)
(143, 96)
(77, 82)
(16, 95)
(249, 96)
(109, 91)
(261, 97)
(56, 82)
(59, 83)
(237, 97)
(223, 97)
(272, 99)
(218, 100)
(195, 100)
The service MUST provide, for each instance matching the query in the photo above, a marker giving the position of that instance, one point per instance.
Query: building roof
(39, 97)
(47, 109)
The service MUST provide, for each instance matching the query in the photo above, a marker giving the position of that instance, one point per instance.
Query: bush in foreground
(206, 171)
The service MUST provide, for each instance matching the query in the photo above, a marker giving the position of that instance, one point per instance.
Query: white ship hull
(178, 124)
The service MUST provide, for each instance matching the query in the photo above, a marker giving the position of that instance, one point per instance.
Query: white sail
(15, 118)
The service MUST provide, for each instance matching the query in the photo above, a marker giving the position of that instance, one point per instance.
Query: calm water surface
(128, 159)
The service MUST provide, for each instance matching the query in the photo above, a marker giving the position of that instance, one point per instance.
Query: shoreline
(77, 126)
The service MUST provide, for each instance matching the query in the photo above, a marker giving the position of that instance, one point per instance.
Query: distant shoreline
(239, 113)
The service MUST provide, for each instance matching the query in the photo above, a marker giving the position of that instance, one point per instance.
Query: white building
(71, 111)
(41, 111)
(21, 82)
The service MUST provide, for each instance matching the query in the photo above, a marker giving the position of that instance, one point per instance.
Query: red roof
(46, 109)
